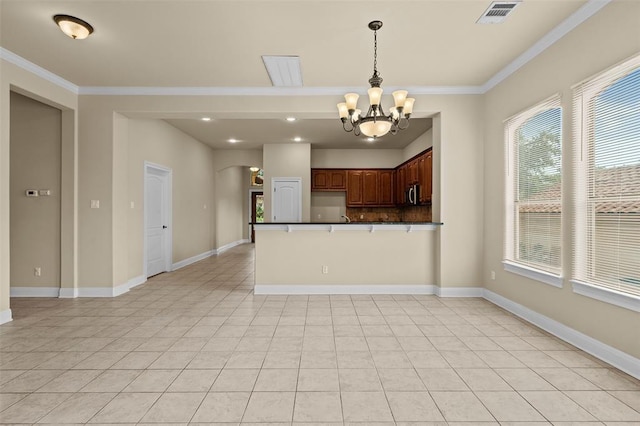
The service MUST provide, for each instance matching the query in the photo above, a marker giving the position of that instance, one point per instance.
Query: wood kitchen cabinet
(385, 188)
(401, 184)
(371, 188)
(425, 174)
(418, 170)
(355, 191)
(328, 180)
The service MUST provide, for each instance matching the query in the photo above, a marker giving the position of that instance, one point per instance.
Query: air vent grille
(284, 71)
(497, 12)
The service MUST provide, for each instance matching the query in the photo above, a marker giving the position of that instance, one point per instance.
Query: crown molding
(268, 91)
(26, 65)
(577, 18)
(585, 12)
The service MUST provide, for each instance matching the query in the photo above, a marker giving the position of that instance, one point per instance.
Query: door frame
(251, 192)
(286, 179)
(167, 175)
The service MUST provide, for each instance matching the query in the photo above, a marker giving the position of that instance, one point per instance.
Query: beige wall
(423, 142)
(15, 79)
(328, 206)
(356, 158)
(230, 202)
(352, 257)
(193, 179)
(36, 131)
(287, 160)
(602, 41)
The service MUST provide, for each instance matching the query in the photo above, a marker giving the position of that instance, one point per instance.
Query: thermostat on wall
(31, 192)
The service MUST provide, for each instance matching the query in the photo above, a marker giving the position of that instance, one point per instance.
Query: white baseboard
(136, 281)
(343, 289)
(34, 291)
(103, 291)
(231, 245)
(193, 259)
(623, 361)
(68, 293)
(458, 291)
(5, 316)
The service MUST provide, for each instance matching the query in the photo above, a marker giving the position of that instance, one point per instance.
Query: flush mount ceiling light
(375, 123)
(291, 119)
(74, 27)
(254, 168)
(232, 140)
(206, 119)
(297, 139)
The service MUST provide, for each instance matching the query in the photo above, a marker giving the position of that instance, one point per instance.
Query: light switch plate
(95, 204)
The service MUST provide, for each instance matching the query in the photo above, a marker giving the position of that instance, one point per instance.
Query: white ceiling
(217, 45)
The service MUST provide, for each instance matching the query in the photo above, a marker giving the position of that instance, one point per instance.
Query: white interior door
(286, 200)
(157, 221)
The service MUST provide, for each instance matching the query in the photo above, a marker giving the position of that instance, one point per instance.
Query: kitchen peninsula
(345, 258)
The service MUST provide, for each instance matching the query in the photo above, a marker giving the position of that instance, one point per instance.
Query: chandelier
(375, 122)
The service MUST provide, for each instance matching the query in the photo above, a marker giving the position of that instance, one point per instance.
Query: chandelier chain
(375, 53)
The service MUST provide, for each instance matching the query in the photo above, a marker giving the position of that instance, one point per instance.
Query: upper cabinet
(370, 188)
(379, 187)
(328, 180)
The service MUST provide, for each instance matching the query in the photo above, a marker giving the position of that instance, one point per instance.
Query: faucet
(346, 218)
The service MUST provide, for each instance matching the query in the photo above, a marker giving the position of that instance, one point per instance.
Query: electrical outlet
(133, 205)
(95, 204)
(325, 269)
(37, 271)
(493, 275)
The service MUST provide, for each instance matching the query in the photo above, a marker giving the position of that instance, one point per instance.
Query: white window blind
(606, 250)
(533, 187)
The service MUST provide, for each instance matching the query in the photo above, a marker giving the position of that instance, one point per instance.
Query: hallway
(196, 346)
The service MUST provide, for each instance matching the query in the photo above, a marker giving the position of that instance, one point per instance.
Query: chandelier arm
(401, 121)
(344, 126)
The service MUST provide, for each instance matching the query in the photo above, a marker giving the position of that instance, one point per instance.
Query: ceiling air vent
(497, 12)
(283, 70)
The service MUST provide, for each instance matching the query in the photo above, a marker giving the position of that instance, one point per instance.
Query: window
(606, 253)
(533, 192)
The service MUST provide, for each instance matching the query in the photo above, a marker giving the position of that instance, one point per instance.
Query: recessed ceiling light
(371, 140)
(206, 119)
(291, 119)
(297, 139)
(232, 140)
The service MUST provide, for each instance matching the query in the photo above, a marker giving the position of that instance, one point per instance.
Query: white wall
(36, 131)
(600, 42)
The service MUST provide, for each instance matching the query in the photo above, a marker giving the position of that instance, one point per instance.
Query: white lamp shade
(352, 100)
(408, 105)
(399, 96)
(343, 110)
(375, 94)
(74, 27)
(375, 128)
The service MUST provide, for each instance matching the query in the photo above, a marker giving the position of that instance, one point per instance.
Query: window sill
(534, 274)
(607, 295)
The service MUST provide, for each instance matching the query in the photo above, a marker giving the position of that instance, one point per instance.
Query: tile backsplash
(390, 214)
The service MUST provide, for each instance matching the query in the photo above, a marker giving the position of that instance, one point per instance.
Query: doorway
(157, 219)
(257, 211)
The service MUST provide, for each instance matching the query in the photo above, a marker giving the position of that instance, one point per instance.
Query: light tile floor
(196, 346)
